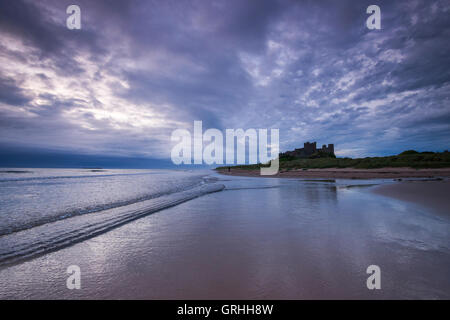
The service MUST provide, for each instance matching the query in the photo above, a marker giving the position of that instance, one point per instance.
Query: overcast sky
(137, 70)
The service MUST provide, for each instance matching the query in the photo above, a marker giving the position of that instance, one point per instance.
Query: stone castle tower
(309, 149)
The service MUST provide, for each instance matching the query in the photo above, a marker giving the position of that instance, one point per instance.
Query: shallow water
(47, 209)
(32, 197)
(258, 238)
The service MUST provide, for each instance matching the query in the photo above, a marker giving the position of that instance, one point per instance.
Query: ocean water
(45, 209)
(195, 234)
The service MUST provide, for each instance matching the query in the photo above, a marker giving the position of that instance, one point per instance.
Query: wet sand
(434, 195)
(257, 239)
(346, 173)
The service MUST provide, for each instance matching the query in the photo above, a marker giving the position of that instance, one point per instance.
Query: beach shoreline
(256, 239)
(427, 194)
(345, 173)
(430, 192)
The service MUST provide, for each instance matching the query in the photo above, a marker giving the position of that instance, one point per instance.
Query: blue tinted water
(44, 209)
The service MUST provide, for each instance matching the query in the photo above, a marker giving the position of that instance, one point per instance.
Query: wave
(252, 188)
(75, 176)
(49, 237)
(20, 226)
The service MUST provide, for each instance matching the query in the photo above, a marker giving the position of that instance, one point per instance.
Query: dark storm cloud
(139, 69)
(10, 93)
(25, 20)
(41, 26)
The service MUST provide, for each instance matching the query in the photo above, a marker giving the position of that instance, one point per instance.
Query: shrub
(408, 152)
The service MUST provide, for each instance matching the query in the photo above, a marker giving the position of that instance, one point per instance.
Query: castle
(310, 149)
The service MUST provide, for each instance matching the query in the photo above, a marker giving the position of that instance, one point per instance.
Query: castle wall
(328, 149)
(309, 149)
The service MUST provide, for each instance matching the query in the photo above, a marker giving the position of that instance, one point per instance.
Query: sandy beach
(433, 195)
(258, 239)
(346, 173)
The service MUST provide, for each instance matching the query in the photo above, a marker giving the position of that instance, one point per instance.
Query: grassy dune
(410, 158)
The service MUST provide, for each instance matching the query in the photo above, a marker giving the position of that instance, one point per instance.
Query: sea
(45, 209)
(195, 234)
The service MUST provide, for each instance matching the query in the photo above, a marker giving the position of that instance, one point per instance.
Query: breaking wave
(67, 230)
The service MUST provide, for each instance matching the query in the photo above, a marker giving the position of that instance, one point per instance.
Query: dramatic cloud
(137, 70)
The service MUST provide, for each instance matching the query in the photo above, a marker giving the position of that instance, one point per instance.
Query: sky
(138, 70)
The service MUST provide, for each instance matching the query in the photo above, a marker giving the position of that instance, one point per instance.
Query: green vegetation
(409, 158)
(318, 154)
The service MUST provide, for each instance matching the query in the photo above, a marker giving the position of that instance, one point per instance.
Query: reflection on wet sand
(263, 238)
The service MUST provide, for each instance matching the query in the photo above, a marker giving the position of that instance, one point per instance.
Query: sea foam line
(29, 243)
(12, 228)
